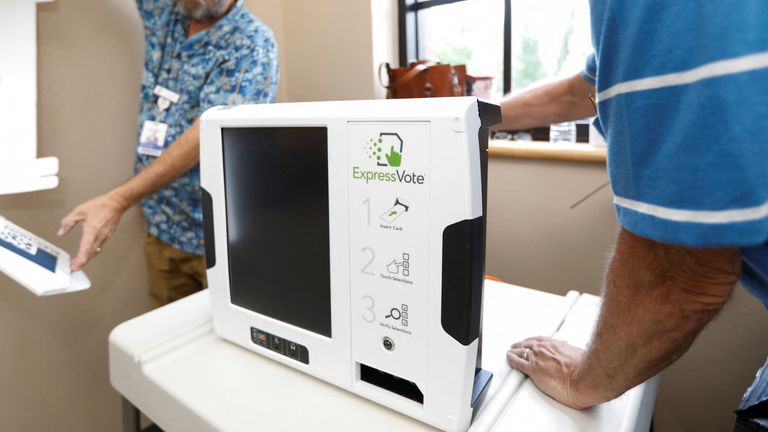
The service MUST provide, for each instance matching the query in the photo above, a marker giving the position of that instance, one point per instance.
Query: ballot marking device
(347, 240)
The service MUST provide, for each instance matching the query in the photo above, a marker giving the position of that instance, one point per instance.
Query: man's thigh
(173, 273)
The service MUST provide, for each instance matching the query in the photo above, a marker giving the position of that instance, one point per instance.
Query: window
(517, 42)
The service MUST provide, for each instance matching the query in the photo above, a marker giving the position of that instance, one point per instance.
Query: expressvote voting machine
(347, 240)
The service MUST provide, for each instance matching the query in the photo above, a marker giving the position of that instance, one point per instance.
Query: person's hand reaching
(99, 217)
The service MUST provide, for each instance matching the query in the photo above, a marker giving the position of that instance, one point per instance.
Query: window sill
(545, 151)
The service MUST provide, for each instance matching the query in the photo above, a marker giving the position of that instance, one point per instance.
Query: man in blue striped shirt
(682, 99)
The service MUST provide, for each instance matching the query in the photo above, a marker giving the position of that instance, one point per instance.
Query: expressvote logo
(377, 149)
(386, 150)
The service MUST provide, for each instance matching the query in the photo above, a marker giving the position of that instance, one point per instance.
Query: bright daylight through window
(549, 38)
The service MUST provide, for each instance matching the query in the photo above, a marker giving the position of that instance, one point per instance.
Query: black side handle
(210, 242)
(462, 290)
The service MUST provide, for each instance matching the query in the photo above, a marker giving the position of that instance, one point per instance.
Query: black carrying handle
(464, 253)
(210, 242)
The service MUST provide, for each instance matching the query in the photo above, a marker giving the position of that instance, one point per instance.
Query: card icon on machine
(399, 208)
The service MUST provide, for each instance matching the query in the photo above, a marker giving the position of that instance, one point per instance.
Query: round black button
(389, 345)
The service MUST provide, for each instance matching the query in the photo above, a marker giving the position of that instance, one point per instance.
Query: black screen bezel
(324, 329)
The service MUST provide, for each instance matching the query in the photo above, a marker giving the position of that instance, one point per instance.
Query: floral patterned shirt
(231, 63)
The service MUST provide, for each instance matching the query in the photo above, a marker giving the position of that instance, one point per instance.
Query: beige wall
(332, 48)
(328, 49)
(536, 240)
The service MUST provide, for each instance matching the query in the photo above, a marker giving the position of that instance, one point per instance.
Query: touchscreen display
(276, 189)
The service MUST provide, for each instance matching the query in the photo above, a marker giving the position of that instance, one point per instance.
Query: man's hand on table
(99, 217)
(657, 299)
(552, 365)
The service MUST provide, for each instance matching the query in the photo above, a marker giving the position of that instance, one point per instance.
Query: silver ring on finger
(525, 354)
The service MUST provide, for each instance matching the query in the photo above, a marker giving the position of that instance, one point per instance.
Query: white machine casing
(428, 264)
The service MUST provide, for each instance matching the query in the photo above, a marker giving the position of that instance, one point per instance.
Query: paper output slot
(392, 383)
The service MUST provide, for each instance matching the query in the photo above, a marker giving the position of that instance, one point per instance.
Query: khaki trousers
(173, 273)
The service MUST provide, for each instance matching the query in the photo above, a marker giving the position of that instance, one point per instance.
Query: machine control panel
(279, 345)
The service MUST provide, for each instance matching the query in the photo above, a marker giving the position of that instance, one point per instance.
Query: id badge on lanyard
(154, 133)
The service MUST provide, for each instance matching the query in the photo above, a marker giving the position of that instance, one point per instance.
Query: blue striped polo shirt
(682, 90)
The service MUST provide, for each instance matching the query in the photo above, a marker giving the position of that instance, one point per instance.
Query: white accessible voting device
(36, 264)
(347, 240)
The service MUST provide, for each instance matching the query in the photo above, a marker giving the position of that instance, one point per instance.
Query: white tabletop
(171, 365)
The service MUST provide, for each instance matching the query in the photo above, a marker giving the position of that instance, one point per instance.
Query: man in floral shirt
(199, 54)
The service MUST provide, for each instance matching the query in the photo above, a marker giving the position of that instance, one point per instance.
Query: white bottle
(562, 133)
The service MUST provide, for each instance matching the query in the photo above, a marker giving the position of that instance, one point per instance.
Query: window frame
(411, 43)
(411, 48)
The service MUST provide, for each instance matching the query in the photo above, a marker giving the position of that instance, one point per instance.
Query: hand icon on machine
(394, 267)
(400, 267)
(393, 157)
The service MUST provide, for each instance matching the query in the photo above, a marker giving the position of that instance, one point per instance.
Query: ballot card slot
(387, 381)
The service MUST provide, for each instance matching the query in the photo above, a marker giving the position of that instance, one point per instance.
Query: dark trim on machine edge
(463, 262)
(464, 247)
(210, 243)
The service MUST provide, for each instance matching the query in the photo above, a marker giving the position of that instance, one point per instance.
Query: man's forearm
(101, 215)
(555, 102)
(657, 299)
(175, 161)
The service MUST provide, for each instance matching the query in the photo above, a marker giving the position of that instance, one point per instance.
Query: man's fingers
(531, 342)
(86, 252)
(520, 352)
(525, 343)
(520, 344)
(69, 222)
(514, 358)
(78, 261)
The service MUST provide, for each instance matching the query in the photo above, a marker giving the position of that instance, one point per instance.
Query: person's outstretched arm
(555, 102)
(101, 215)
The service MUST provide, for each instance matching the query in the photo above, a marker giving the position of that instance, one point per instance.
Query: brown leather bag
(424, 79)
